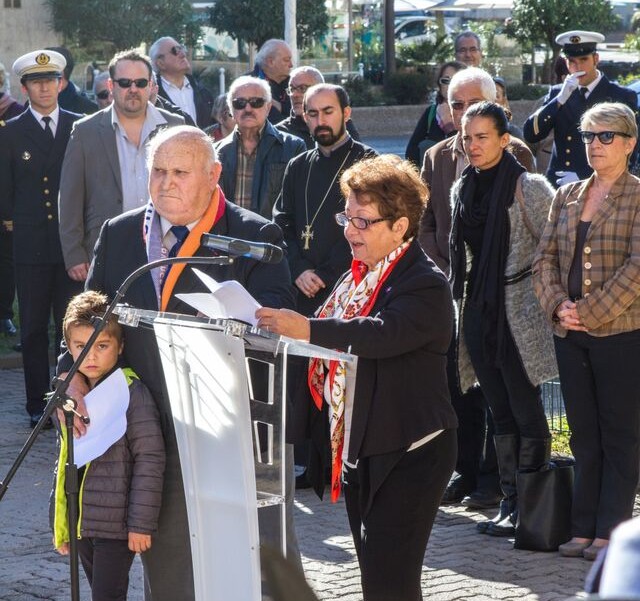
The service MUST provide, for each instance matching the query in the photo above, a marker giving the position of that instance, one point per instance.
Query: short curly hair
(393, 184)
(84, 308)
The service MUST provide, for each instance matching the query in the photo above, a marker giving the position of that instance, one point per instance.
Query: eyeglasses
(103, 95)
(604, 137)
(255, 102)
(456, 105)
(471, 50)
(300, 89)
(126, 83)
(360, 223)
(444, 81)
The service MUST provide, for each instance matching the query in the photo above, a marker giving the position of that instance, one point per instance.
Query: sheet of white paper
(227, 300)
(107, 406)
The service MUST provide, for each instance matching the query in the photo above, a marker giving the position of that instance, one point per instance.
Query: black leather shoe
(457, 490)
(482, 499)
(7, 328)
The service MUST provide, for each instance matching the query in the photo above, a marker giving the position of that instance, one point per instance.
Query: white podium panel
(205, 377)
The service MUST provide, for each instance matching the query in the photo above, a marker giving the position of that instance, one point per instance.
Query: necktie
(180, 232)
(47, 128)
(583, 93)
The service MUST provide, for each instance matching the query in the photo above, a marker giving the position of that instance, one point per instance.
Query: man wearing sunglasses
(273, 64)
(565, 104)
(255, 155)
(302, 78)
(105, 171)
(176, 82)
(475, 481)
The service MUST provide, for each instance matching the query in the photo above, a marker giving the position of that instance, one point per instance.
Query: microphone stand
(60, 399)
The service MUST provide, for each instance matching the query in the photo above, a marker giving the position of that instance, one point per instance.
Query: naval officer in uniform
(565, 103)
(32, 146)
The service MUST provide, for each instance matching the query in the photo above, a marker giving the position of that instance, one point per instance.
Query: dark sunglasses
(254, 102)
(360, 223)
(124, 82)
(103, 95)
(605, 137)
(444, 81)
(175, 50)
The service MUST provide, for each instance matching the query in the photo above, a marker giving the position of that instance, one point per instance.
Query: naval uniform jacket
(568, 152)
(30, 166)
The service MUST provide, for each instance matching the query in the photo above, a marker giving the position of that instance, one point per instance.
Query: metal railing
(554, 406)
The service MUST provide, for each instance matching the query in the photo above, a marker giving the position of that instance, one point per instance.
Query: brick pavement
(460, 564)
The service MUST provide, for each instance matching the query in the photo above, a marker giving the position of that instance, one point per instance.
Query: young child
(120, 491)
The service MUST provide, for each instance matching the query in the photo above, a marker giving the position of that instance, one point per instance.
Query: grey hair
(99, 78)
(473, 75)
(467, 34)
(613, 115)
(312, 71)
(268, 49)
(248, 80)
(154, 51)
(183, 133)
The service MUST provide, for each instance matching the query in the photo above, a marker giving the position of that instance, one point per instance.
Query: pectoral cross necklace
(307, 232)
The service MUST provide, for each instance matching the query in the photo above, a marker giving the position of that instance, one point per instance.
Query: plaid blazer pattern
(610, 302)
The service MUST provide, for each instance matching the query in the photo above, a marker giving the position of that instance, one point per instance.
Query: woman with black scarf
(499, 212)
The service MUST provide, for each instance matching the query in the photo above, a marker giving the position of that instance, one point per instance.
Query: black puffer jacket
(121, 490)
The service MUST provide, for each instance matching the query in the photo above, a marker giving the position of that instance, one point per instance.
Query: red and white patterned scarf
(354, 296)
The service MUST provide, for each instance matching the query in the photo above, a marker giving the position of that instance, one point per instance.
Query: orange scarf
(192, 244)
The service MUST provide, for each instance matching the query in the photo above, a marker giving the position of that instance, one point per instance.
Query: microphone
(260, 251)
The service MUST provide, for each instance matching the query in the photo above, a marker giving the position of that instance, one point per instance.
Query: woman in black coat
(388, 417)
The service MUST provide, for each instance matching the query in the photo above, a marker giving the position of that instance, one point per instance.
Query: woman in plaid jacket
(587, 278)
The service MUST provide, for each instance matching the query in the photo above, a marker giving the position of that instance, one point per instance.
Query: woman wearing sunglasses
(387, 419)
(499, 212)
(436, 123)
(587, 277)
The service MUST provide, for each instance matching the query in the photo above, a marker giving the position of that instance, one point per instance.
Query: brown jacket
(439, 172)
(610, 302)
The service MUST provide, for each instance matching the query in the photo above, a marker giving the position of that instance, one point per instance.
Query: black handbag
(544, 506)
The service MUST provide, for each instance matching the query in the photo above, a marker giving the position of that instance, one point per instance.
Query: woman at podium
(386, 415)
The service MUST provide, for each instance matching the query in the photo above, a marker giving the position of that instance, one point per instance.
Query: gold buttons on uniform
(45, 179)
(587, 250)
(568, 163)
(46, 191)
(587, 282)
(47, 204)
(49, 217)
(587, 265)
(568, 151)
(568, 138)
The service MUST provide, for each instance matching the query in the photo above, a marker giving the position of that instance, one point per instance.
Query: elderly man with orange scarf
(185, 203)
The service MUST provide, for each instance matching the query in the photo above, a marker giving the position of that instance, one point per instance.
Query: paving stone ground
(460, 564)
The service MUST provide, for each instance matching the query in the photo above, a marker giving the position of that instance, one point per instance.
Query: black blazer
(202, 98)
(30, 166)
(120, 250)
(401, 390)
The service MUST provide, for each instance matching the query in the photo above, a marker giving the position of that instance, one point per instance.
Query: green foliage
(406, 88)
(361, 92)
(437, 49)
(487, 31)
(123, 24)
(523, 91)
(625, 80)
(257, 21)
(537, 22)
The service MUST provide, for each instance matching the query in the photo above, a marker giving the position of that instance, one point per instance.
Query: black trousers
(600, 380)
(7, 279)
(515, 403)
(106, 563)
(41, 289)
(391, 537)
(476, 462)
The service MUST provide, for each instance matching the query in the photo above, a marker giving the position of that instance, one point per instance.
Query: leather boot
(507, 454)
(535, 454)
